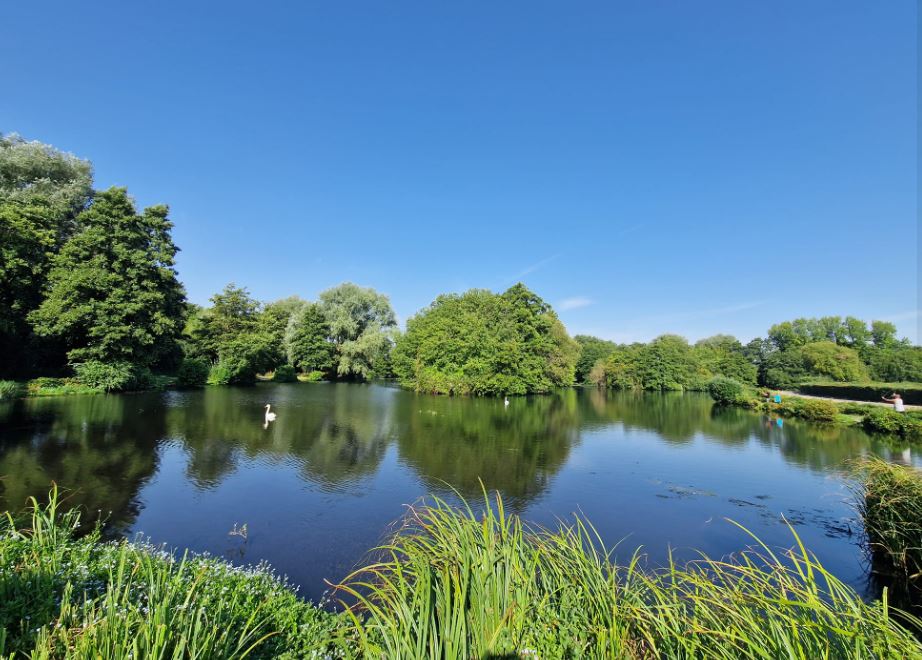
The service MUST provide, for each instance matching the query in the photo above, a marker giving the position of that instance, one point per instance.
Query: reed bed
(453, 583)
(891, 505)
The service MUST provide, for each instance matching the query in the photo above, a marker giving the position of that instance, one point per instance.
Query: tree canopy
(113, 294)
(485, 343)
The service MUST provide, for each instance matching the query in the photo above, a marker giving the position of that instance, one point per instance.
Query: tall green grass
(68, 597)
(891, 505)
(456, 584)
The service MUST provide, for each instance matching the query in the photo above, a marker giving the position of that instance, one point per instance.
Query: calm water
(323, 483)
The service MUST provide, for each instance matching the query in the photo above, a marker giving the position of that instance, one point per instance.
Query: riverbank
(451, 584)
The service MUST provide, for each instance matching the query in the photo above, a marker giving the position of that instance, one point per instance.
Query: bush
(220, 374)
(725, 390)
(193, 373)
(9, 389)
(285, 373)
(311, 377)
(887, 421)
(817, 410)
(109, 377)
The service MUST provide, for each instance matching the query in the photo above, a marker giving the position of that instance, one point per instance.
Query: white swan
(506, 401)
(270, 416)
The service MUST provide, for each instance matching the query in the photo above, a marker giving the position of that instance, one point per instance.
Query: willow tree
(362, 325)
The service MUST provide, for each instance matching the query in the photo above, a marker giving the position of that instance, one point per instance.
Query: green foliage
(361, 324)
(10, 389)
(726, 356)
(892, 511)
(41, 192)
(46, 386)
(592, 350)
(486, 344)
(285, 373)
(818, 410)
(307, 340)
(222, 373)
(870, 391)
(455, 584)
(889, 422)
(112, 291)
(311, 377)
(193, 373)
(73, 596)
(725, 390)
(109, 377)
(840, 363)
(896, 362)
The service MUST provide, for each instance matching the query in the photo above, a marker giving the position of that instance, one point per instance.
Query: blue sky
(646, 167)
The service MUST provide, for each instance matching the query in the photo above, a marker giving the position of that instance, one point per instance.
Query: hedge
(911, 392)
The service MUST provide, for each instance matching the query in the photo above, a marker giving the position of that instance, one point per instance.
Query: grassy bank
(874, 419)
(891, 506)
(68, 597)
(451, 584)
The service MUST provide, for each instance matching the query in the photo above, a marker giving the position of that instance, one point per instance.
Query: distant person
(896, 400)
(777, 398)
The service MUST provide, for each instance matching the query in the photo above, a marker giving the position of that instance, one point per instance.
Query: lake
(327, 480)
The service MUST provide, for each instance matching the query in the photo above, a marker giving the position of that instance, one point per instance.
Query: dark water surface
(322, 484)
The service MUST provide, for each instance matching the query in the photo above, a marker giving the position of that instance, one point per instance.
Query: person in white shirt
(896, 400)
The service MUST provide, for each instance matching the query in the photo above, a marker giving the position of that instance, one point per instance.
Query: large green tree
(592, 350)
(42, 190)
(112, 293)
(307, 341)
(362, 326)
(483, 343)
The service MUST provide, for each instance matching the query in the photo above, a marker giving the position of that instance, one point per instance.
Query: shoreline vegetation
(450, 583)
(90, 301)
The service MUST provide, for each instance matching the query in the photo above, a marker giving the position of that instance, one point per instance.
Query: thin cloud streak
(575, 303)
(531, 269)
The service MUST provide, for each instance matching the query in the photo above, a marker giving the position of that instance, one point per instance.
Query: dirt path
(829, 398)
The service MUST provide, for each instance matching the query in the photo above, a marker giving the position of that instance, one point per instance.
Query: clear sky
(646, 167)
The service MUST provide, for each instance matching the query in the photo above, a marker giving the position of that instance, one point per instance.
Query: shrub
(818, 410)
(887, 421)
(725, 390)
(193, 372)
(9, 389)
(220, 374)
(311, 377)
(108, 376)
(285, 373)
(825, 358)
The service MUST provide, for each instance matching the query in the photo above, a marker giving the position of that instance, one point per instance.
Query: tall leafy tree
(113, 294)
(42, 190)
(592, 350)
(484, 343)
(307, 340)
(362, 325)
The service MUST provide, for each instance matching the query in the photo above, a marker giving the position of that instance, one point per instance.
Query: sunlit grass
(456, 584)
(64, 597)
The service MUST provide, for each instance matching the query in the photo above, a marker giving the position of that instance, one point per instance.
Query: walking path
(829, 398)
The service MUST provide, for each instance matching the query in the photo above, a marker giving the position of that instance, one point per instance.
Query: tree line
(88, 286)
(830, 348)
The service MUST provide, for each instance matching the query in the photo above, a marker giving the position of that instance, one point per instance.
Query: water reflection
(336, 465)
